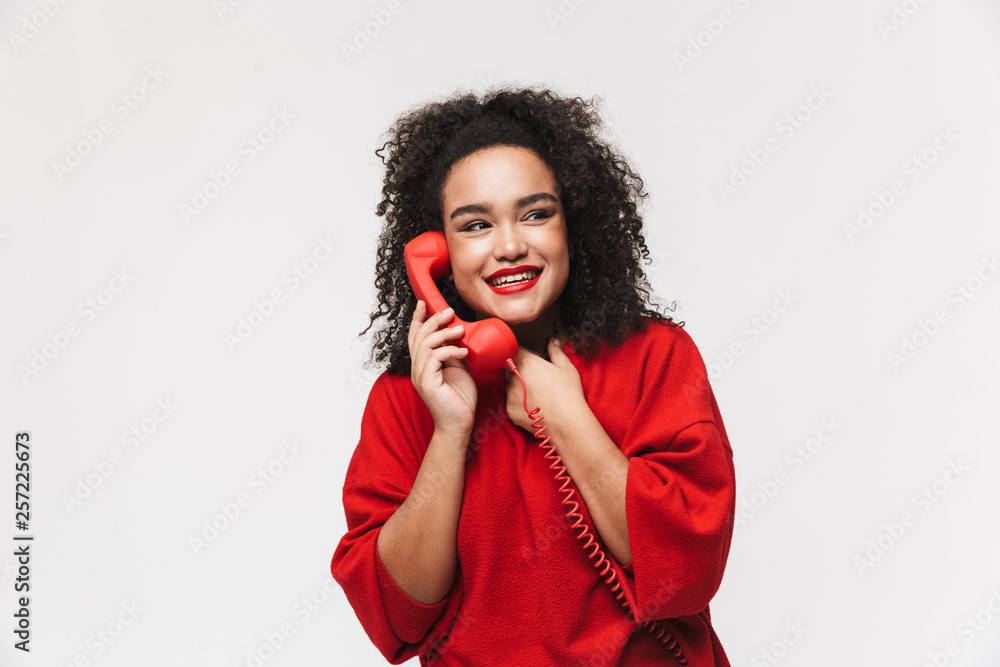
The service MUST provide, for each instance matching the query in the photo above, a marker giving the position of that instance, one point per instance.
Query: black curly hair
(607, 295)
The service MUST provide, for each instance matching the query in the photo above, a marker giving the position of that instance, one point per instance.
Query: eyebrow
(486, 209)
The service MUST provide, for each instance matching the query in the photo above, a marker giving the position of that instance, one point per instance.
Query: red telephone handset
(490, 342)
(492, 345)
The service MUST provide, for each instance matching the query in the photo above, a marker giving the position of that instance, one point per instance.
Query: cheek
(466, 282)
(563, 263)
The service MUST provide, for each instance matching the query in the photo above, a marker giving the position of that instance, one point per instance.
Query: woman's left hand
(554, 387)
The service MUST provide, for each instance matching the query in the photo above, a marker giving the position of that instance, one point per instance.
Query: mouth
(513, 279)
(515, 282)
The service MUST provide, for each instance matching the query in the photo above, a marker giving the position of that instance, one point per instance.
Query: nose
(509, 242)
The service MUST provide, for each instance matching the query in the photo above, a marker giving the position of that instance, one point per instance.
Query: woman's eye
(538, 215)
(471, 226)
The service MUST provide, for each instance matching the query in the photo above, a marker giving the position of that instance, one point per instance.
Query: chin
(510, 318)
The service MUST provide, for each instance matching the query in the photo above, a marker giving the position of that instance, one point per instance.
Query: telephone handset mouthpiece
(490, 342)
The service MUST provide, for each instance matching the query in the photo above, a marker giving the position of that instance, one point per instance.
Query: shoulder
(662, 331)
(660, 342)
(396, 422)
(652, 338)
(672, 372)
(392, 383)
(660, 353)
(394, 393)
(657, 349)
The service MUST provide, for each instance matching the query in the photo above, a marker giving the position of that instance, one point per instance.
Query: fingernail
(447, 311)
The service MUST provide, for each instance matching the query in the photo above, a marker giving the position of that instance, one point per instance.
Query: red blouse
(525, 592)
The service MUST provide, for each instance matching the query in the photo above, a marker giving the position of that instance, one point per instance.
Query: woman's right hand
(449, 391)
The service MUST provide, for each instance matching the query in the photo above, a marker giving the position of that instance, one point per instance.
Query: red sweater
(525, 592)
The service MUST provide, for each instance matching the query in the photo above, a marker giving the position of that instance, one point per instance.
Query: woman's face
(502, 213)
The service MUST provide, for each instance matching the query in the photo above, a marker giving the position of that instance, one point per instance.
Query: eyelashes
(542, 215)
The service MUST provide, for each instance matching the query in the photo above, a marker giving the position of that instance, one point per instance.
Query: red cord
(658, 630)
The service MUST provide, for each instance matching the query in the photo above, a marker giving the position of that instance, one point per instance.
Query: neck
(535, 335)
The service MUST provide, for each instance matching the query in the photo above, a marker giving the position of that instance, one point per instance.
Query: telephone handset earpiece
(490, 342)
(493, 345)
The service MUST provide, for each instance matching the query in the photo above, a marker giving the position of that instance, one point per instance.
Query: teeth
(513, 278)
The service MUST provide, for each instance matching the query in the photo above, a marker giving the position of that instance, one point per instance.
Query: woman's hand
(554, 387)
(449, 391)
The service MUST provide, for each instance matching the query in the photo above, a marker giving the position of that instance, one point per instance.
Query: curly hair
(607, 296)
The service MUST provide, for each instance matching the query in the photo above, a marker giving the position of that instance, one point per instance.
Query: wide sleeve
(394, 437)
(680, 488)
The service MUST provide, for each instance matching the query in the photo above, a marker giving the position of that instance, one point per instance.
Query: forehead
(498, 170)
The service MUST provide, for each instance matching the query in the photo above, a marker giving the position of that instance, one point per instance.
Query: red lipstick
(511, 288)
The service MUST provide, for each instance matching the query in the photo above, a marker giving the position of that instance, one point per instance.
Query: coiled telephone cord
(602, 564)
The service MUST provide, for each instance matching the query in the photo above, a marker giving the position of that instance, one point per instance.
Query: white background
(890, 89)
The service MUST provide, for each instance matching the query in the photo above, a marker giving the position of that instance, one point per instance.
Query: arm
(680, 505)
(381, 479)
(417, 544)
(681, 485)
(687, 481)
(662, 499)
(599, 470)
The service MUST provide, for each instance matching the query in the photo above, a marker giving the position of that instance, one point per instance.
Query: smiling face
(502, 215)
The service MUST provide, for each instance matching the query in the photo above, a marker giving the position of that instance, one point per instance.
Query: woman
(459, 549)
